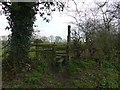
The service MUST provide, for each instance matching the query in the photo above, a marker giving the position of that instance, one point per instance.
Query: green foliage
(41, 77)
(87, 64)
(83, 64)
(111, 75)
(37, 76)
(82, 74)
(32, 55)
(97, 42)
(76, 66)
(83, 84)
(34, 79)
(14, 84)
(60, 47)
(53, 82)
(90, 79)
(108, 83)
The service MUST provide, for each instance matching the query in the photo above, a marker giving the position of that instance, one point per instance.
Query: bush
(108, 83)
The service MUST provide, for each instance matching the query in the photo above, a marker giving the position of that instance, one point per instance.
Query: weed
(14, 84)
(108, 83)
(83, 84)
(34, 78)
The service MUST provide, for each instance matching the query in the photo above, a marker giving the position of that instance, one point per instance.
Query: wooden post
(54, 52)
(68, 43)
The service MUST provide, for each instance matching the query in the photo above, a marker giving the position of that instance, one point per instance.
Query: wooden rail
(59, 51)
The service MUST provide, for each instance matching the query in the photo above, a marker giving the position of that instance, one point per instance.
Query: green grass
(83, 84)
(78, 74)
(85, 74)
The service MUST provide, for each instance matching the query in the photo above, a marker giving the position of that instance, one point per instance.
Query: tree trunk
(21, 20)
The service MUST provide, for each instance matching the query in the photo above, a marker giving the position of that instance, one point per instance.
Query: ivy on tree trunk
(21, 19)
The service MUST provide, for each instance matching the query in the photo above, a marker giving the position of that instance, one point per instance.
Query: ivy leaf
(44, 18)
(48, 14)
(48, 20)
(41, 7)
(7, 28)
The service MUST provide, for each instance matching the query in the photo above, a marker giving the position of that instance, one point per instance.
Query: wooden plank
(61, 60)
(39, 50)
(61, 49)
(42, 44)
(61, 52)
(58, 57)
(62, 46)
(48, 49)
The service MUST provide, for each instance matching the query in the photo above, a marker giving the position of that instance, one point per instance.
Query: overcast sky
(57, 26)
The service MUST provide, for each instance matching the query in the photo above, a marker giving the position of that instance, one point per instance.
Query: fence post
(68, 43)
(54, 51)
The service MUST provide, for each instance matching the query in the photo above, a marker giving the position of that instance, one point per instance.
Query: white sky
(57, 26)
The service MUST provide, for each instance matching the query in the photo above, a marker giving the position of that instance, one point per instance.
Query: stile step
(60, 61)
(61, 54)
